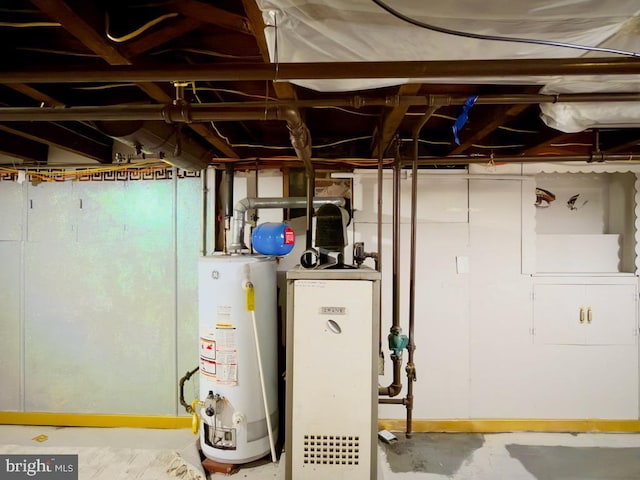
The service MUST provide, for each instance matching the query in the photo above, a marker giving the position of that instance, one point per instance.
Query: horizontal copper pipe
(595, 157)
(330, 70)
(278, 110)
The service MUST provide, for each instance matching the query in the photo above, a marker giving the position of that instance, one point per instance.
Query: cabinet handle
(589, 315)
(581, 314)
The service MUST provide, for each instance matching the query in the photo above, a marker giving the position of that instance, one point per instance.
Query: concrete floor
(429, 456)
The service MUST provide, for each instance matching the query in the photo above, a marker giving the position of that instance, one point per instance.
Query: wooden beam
(58, 136)
(284, 90)
(171, 31)
(393, 118)
(206, 12)
(501, 116)
(159, 95)
(72, 22)
(22, 148)
(546, 147)
(37, 95)
(625, 146)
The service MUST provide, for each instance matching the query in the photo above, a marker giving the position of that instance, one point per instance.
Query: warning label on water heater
(226, 354)
(208, 356)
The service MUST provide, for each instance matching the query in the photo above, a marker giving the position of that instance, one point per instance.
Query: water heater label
(226, 354)
(333, 310)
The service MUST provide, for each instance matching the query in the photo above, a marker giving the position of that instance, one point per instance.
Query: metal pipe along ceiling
(338, 70)
(284, 110)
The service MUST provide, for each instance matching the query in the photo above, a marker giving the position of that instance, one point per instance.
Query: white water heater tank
(233, 423)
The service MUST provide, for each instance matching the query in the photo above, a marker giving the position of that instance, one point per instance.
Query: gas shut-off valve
(213, 404)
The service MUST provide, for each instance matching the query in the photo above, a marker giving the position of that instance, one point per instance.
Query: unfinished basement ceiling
(42, 40)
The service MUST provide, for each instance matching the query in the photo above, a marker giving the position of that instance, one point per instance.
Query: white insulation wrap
(234, 425)
(360, 30)
(576, 117)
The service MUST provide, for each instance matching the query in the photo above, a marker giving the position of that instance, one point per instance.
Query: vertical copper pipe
(396, 385)
(411, 347)
(379, 239)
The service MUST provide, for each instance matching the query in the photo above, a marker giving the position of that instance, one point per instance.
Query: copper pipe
(379, 235)
(280, 110)
(596, 157)
(331, 70)
(392, 401)
(396, 385)
(410, 368)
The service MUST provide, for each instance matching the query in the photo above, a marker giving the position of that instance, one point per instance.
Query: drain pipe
(237, 224)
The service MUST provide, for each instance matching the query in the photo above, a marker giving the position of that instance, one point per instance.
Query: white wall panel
(441, 317)
(189, 245)
(99, 328)
(500, 310)
(11, 213)
(10, 324)
(52, 212)
(441, 198)
(102, 211)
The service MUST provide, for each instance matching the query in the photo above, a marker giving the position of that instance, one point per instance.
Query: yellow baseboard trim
(514, 425)
(93, 420)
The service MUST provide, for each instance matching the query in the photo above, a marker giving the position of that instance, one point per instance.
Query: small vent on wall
(331, 449)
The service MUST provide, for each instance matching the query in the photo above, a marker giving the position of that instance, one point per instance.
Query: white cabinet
(585, 314)
(585, 352)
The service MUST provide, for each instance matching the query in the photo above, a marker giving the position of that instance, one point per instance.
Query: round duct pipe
(159, 138)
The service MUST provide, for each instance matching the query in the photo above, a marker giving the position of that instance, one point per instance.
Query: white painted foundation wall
(99, 304)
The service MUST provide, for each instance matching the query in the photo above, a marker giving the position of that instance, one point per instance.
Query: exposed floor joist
(149, 41)
(73, 23)
(19, 147)
(393, 118)
(205, 12)
(160, 96)
(58, 136)
(500, 116)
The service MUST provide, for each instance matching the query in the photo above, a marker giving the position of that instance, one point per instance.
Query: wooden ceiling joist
(72, 22)
(175, 29)
(206, 12)
(58, 136)
(22, 148)
(501, 116)
(159, 95)
(393, 118)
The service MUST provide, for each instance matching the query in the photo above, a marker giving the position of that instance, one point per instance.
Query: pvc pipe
(267, 412)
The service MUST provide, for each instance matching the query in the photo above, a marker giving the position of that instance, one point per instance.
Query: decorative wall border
(87, 175)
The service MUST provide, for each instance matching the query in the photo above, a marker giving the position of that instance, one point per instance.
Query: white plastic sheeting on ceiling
(360, 30)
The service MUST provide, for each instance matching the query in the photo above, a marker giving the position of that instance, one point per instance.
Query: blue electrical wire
(478, 36)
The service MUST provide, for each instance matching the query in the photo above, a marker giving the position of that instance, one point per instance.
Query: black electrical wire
(478, 36)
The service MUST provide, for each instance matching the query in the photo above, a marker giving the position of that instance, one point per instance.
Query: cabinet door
(611, 318)
(559, 314)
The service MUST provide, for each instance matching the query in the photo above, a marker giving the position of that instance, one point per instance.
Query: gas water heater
(332, 388)
(238, 388)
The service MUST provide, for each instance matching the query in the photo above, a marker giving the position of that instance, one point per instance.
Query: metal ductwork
(161, 139)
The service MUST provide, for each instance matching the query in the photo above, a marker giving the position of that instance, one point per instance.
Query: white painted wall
(98, 288)
(100, 302)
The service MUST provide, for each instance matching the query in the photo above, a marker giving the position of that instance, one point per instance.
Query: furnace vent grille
(332, 449)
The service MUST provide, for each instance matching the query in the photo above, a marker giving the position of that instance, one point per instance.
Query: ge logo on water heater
(215, 274)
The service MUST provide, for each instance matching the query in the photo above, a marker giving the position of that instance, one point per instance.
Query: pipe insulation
(237, 224)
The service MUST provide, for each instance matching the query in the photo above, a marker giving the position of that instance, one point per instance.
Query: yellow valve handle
(251, 297)
(195, 419)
